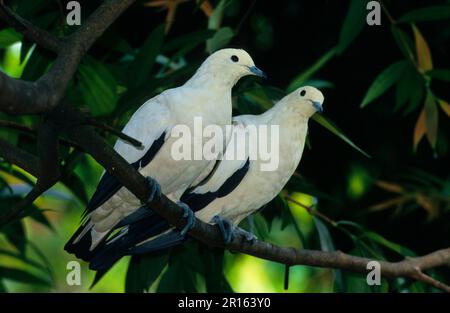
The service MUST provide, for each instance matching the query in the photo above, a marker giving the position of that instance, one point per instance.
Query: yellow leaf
(445, 107)
(420, 129)
(389, 186)
(431, 119)
(423, 51)
(207, 8)
(397, 201)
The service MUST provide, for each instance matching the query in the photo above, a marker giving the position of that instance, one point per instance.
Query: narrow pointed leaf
(424, 59)
(384, 81)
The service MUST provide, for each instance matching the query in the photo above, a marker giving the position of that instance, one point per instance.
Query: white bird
(236, 187)
(206, 95)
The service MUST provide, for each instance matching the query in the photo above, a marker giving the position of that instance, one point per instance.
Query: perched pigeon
(207, 95)
(237, 186)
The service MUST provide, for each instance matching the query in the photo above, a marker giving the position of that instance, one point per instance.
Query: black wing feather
(197, 201)
(109, 185)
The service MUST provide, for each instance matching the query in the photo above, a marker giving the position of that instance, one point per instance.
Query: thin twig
(116, 132)
(311, 211)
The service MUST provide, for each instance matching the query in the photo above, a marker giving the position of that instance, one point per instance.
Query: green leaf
(353, 24)
(326, 244)
(140, 69)
(431, 119)
(440, 74)
(261, 226)
(97, 86)
(188, 39)
(300, 79)
(431, 13)
(220, 39)
(22, 277)
(15, 233)
(329, 125)
(389, 244)
(384, 81)
(143, 270)
(23, 259)
(404, 42)
(8, 36)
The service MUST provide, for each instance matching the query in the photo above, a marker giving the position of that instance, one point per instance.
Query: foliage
(124, 69)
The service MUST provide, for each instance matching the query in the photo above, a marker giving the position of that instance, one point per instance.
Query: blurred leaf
(430, 13)
(383, 81)
(15, 233)
(37, 64)
(431, 119)
(188, 39)
(404, 42)
(300, 79)
(220, 39)
(424, 59)
(445, 107)
(8, 36)
(328, 124)
(391, 187)
(441, 74)
(214, 278)
(389, 244)
(326, 244)
(76, 185)
(38, 215)
(23, 259)
(143, 270)
(353, 24)
(420, 129)
(97, 86)
(409, 90)
(216, 17)
(140, 69)
(22, 277)
(261, 227)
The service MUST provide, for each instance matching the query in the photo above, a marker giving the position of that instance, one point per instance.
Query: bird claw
(226, 228)
(248, 236)
(155, 189)
(189, 215)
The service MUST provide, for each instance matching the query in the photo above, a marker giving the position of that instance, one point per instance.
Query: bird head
(229, 65)
(308, 100)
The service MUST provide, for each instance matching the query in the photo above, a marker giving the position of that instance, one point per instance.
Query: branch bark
(31, 32)
(19, 97)
(412, 268)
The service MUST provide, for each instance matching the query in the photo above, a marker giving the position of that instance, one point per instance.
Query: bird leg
(226, 228)
(155, 189)
(248, 236)
(189, 215)
(229, 231)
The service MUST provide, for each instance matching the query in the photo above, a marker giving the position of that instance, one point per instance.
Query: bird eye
(234, 58)
(303, 93)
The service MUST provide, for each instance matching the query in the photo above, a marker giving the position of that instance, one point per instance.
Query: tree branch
(19, 97)
(31, 32)
(210, 235)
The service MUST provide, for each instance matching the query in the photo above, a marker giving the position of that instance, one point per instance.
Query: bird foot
(248, 236)
(155, 189)
(189, 215)
(226, 228)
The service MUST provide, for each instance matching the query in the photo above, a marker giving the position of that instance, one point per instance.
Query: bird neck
(286, 114)
(212, 77)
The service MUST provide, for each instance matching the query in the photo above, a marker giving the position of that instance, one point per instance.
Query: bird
(206, 95)
(236, 187)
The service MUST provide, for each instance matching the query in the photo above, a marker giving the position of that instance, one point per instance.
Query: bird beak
(256, 71)
(318, 106)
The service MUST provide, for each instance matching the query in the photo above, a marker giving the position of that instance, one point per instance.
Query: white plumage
(257, 187)
(207, 95)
